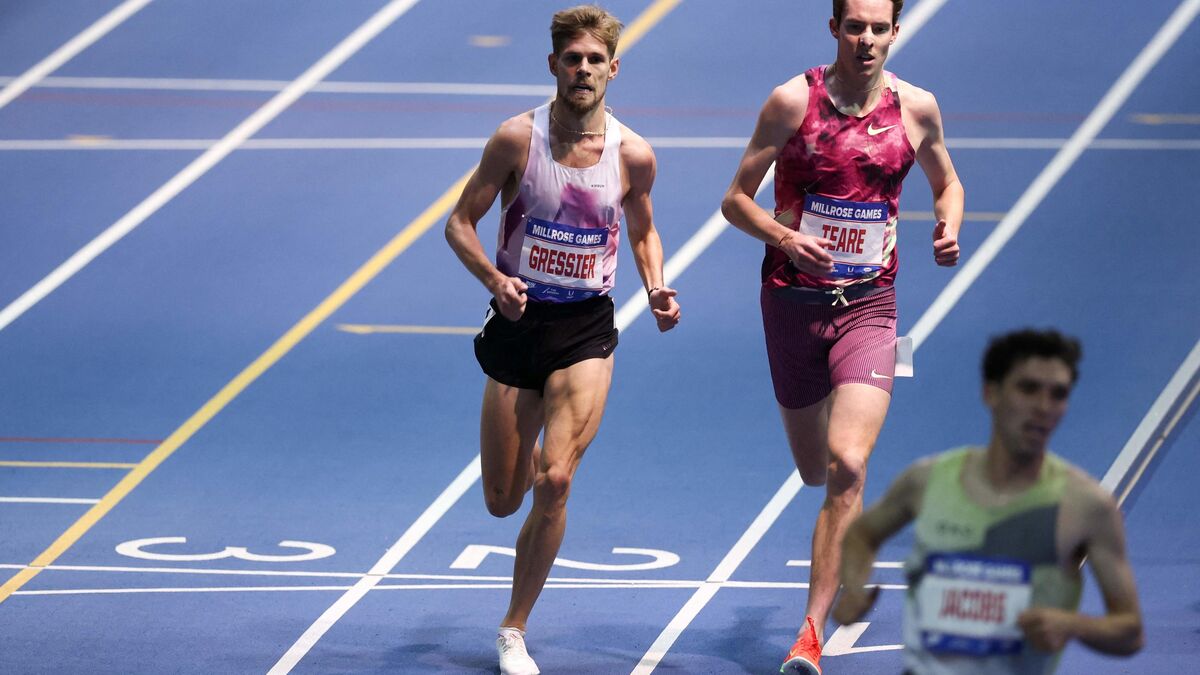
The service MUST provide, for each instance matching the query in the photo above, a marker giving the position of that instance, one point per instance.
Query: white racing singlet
(561, 232)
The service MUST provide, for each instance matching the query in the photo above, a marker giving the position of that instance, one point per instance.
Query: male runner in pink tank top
(842, 138)
(566, 173)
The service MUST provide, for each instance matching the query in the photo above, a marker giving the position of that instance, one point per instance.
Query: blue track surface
(345, 439)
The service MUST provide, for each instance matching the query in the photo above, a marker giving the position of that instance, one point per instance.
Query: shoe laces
(809, 635)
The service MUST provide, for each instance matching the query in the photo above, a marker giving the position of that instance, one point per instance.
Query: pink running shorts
(814, 346)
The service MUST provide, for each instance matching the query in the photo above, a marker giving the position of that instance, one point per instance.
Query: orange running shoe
(805, 654)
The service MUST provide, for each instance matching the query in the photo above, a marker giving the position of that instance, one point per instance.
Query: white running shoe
(514, 660)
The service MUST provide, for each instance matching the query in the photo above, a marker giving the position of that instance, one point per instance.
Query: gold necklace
(562, 126)
(852, 109)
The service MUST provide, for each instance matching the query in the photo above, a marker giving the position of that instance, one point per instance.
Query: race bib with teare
(969, 604)
(562, 263)
(857, 230)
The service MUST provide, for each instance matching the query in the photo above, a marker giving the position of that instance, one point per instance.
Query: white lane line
(1170, 406)
(95, 143)
(1059, 143)
(46, 500)
(390, 559)
(551, 584)
(843, 639)
(1057, 168)
(332, 87)
(377, 587)
(406, 577)
(716, 224)
(877, 565)
(17, 86)
(601, 581)
(250, 126)
(685, 256)
(214, 589)
(461, 578)
(915, 20)
(662, 644)
(184, 570)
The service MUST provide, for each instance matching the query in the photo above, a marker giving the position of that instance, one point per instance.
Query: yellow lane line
(367, 329)
(361, 277)
(645, 21)
(282, 346)
(68, 465)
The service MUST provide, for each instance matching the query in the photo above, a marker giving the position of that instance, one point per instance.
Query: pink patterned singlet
(841, 176)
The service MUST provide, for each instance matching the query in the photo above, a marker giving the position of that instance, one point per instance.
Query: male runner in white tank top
(566, 173)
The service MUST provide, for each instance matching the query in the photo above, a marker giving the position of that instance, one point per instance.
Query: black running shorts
(549, 336)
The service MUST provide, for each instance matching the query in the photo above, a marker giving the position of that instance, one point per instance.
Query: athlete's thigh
(575, 399)
(807, 432)
(510, 421)
(856, 414)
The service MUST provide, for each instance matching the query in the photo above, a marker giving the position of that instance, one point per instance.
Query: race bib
(561, 263)
(969, 605)
(855, 228)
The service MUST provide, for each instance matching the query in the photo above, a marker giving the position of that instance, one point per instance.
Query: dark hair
(839, 8)
(1005, 351)
(590, 19)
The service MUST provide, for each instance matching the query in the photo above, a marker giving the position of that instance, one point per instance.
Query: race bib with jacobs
(855, 228)
(561, 263)
(969, 605)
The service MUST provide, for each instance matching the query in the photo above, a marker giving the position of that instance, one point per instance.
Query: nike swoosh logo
(878, 376)
(872, 131)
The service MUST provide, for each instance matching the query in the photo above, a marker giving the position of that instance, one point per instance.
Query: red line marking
(30, 439)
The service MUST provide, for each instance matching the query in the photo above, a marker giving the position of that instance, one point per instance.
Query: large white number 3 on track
(134, 549)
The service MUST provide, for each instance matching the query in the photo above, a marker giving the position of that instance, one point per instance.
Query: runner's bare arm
(867, 533)
(499, 169)
(1119, 631)
(948, 194)
(637, 159)
(779, 120)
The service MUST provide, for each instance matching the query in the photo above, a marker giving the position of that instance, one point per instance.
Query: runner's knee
(847, 473)
(552, 486)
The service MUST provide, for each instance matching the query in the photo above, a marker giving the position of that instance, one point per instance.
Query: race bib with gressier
(561, 263)
(855, 228)
(969, 605)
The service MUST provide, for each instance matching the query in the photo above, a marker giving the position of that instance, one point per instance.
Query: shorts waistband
(828, 296)
(560, 309)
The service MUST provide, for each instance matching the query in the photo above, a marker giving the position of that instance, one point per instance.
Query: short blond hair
(590, 19)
